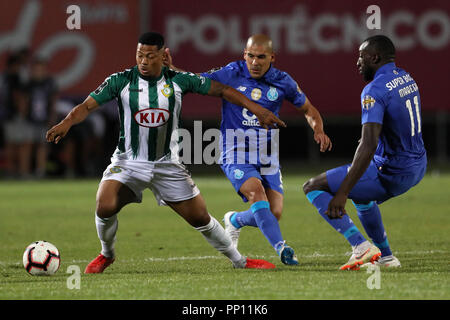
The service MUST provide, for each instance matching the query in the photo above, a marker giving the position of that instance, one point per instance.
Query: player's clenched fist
(57, 132)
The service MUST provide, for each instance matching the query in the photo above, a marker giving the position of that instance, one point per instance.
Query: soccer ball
(41, 258)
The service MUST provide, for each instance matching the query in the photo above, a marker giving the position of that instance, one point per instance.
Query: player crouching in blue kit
(389, 160)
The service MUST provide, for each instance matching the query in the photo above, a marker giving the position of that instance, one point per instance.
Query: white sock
(106, 231)
(215, 234)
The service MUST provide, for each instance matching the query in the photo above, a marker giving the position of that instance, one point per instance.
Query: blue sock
(243, 218)
(370, 217)
(345, 226)
(267, 223)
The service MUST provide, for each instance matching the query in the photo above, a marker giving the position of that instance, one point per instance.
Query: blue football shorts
(368, 188)
(374, 185)
(239, 173)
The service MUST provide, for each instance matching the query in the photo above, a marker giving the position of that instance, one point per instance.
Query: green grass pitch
(159, 256)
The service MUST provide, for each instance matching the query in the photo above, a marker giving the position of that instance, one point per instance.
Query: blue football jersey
(268, 91)
(392, 99)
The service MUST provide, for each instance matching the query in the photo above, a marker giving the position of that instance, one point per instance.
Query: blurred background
(46, 69)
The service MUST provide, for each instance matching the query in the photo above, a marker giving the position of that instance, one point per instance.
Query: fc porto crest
(238, 174)
(167, 91)
(272, 94)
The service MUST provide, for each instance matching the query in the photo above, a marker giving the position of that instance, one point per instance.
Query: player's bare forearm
(313, 117)
(228, 93)
(361, 161)
(75, 116)
(80, 112)
(217, 89)
(363, 155)
(265, 116)
(315, 121)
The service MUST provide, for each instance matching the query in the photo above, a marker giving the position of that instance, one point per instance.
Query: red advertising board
(315, 41)
(79, 59)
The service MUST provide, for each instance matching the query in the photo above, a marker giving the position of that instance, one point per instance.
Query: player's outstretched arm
(315, 121)
(361, 160)
(265, 117)
(76, 115)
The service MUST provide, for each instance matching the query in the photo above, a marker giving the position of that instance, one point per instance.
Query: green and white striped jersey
(149, 111)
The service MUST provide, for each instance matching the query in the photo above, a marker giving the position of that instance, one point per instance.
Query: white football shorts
(168, 181)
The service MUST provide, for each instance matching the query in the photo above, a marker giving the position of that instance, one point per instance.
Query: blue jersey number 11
(411, 115)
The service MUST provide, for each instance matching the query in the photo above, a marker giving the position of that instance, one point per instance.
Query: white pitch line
(3, 264)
